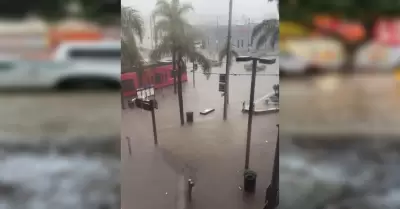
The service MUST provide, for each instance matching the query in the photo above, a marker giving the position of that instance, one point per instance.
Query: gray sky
(206, 11)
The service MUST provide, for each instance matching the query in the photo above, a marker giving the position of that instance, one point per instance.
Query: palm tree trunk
(174, 67)
(180, 97)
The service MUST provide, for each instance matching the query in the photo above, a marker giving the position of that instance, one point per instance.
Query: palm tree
(131, 26)
(223, 53)
(266, 31)
(177, 40)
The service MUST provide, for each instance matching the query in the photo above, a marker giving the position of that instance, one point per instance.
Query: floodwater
(210, 151)
(34, 162)
(358, 104)
(36, 115)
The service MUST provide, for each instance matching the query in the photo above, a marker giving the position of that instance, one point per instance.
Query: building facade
(215, 38)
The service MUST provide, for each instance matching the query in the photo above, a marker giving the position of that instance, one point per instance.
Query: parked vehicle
(159, 74)
(89, 51)
(292, 65)
(60, 75)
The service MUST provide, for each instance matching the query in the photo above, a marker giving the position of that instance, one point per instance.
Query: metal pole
(228, 59)
(194, 80)
(251, 110)
(153, 118)
(272, 194)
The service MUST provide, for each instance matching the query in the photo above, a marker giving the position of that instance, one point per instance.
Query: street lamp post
(251, 105)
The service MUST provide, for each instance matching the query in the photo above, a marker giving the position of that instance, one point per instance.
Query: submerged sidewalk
(211, 152)
(147, 181)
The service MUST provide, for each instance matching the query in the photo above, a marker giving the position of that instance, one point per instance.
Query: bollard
(250, 178)
(190, 189)
(189, 117)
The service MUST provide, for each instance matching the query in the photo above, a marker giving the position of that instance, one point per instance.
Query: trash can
(189, 117)
(250, 178)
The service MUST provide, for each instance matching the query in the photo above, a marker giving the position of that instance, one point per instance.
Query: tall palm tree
(177, 40)
(132, 26)
(264, 32)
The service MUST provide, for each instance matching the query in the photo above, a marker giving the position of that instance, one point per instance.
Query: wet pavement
(359, 104)
(210, 151)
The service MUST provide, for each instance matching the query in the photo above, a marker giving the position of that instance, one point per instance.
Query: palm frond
(202, 60)
(131, 22)
(275, 38)
(161, 27)
(162, 10)
(223, 53)
(261, 41)
(256, 31)
(263, 31)
(177, 33)
(163, 49)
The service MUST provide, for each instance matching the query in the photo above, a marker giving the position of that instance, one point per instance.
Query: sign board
(144, 93)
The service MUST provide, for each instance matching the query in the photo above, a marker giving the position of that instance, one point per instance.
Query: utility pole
(228, 62)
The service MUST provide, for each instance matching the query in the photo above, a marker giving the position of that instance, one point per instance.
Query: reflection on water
(349, 104)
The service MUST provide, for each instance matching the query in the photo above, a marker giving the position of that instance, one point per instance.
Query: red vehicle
(160, 75)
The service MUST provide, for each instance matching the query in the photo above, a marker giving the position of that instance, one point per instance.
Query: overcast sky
(206, 11)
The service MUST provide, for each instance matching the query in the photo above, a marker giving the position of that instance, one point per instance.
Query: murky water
(210, 150)
(38, 115)
(36, 174)
(353, 104)
(54, 181)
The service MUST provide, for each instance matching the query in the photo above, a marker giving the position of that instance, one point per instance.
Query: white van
(97, 51)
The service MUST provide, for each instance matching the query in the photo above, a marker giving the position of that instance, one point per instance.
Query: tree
(224, 52)
(102, 11)
(131, 26)
(177, 39)
(364, 11)
(47, 9)
(266, 31)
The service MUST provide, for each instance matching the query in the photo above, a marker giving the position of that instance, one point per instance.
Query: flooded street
(210, 151)
(340, 142)
(359, 104)
(36, 115)
(59, 150)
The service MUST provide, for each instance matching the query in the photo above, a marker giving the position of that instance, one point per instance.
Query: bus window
(98, 54)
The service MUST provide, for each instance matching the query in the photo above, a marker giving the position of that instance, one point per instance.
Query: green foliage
(48, 9)
(103, 11)
(266, 32)
(177, 35)
(131, 26)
